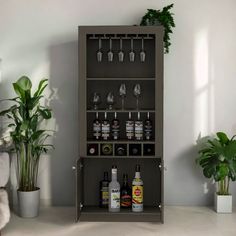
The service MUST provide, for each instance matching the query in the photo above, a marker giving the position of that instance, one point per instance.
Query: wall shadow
(64, 103)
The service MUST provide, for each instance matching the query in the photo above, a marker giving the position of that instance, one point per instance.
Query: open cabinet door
(78, 176)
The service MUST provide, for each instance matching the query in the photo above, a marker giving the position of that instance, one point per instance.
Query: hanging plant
(161, 17)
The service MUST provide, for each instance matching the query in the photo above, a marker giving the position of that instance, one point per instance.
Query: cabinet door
(78, 188)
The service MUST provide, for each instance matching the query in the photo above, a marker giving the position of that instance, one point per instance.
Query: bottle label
(129, 129)
(125, 201)
(137, 195)
(105, 130)
(96, 130)
(105, 196)
(138, 130)
(115, 198)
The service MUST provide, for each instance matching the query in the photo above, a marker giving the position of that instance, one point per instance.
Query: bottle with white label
(105, 128)
(138, 128)
(137, 191)
(129, 128)
(97, 128)
(114, 191)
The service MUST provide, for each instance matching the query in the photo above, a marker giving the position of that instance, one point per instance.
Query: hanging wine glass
(110, 100)
(110, 53)
(121, 53)
(132, 54)
(96, 100)
(99, 52)
(142, 53)
(137, 93)
(122, 93)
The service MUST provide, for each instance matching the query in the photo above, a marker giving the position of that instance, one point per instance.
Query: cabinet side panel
(159, 111)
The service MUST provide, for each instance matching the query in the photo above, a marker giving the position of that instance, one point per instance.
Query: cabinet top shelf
(122, 111)
(125, 78)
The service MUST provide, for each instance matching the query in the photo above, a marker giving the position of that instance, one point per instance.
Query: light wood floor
(179, 221)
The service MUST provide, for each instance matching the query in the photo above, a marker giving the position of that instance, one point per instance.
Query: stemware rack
(104, 76)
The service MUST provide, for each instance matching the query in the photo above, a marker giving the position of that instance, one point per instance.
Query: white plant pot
(28, 203)
(223, 203)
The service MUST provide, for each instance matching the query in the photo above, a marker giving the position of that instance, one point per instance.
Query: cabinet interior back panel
(116, 69)
(94, 169)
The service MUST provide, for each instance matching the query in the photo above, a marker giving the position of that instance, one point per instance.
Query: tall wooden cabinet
(106, 76)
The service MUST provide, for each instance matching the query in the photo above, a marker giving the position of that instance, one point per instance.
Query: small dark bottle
(115, 128)
(125, 199)
(104, 191)
(148, 128)
(97, 128)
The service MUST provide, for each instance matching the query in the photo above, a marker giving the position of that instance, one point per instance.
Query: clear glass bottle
(114, 191)
(105, 128)
(97, 128)
(115, 128)
(148, 128)
(129, 128)
(138, 128)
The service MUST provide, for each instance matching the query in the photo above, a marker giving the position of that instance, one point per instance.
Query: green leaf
(222, 137)
(12, 108)
(19, 91)
(42, 85)
(45, 113)
(37, 134)
(24, 83)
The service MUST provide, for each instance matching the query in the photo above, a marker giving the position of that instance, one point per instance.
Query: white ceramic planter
(223, 203)
(28, 203)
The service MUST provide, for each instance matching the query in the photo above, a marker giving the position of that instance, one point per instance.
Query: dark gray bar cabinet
(103, 76)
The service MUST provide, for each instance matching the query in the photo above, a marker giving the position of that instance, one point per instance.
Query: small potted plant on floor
(25, 119)
(218, 161)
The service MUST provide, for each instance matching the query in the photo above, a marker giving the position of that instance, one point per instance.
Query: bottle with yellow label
(137, 191)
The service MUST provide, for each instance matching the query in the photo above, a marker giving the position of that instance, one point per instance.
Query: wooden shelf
(145, 79)
(94, 213)
(124, 111)
(123, 141)
(121, 157)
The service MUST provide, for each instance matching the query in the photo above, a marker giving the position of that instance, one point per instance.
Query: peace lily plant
(29, 139)
(218, 161)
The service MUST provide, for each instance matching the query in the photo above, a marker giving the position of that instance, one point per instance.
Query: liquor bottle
(104, 191)
(138, 128)
(129, 128)
(137, 191)
(106, 149)
(114, 192)
(120, 150)
(125, 192)
(135, 149)
(115, 128)
(92, 149)
(105, 128)
(97, 128)
(148, 128)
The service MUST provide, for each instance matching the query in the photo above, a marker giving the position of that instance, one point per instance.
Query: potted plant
(218, 160)
(26, 116)
(161, 17)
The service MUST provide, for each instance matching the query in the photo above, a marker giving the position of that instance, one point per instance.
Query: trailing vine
(163, 17)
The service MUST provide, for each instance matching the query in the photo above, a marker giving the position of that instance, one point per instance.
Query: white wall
(39, 39)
